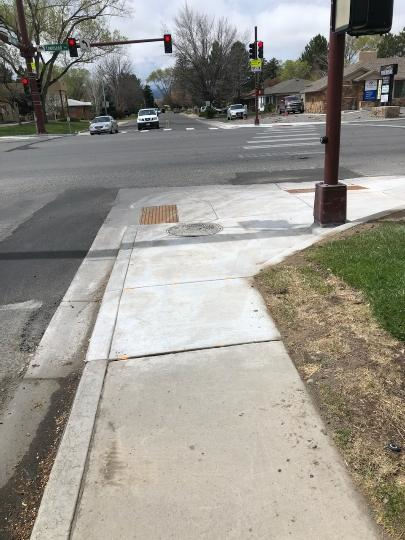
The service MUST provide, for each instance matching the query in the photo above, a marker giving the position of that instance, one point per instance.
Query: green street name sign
(55, 47)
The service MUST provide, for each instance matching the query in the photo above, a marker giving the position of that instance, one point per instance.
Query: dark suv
(291, 104)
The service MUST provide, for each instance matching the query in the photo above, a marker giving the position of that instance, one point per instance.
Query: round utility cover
(195, 229)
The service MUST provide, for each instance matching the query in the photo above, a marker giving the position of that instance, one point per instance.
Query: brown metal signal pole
(331, 195)
(257, 121)
(27, 51)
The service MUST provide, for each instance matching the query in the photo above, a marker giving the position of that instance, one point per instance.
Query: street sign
(84, 44)
(256, 65)
(54, 47)
(370, 90)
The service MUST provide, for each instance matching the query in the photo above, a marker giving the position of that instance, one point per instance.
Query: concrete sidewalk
(190, 421)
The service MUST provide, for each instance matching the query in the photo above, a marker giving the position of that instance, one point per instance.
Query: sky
(285, 26)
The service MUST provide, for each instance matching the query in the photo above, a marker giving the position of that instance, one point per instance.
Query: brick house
(355, 76)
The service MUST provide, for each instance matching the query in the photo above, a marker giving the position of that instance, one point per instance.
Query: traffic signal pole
(27, 51)
(257, 121)
(331, 195)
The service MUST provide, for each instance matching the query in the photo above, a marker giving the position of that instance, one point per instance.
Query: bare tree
(54, 21)
(355, 45)
(202, 47)
(116, 73)
(163, 79)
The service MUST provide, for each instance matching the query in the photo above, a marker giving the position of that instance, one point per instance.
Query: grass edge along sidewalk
(52, 128)
(340, 309)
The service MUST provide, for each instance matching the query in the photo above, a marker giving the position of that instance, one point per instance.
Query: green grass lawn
(53, 128)
(374, 263)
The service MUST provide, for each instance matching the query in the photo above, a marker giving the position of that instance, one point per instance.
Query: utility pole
(331, 195)
(257, 121)
(27, 51)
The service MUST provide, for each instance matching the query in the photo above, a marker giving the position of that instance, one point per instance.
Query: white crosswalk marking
(277, 139)
(281, 145)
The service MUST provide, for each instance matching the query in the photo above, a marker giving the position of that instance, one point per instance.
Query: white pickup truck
(236, 111)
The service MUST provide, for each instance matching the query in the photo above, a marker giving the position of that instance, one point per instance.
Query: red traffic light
(72, 44)
(167, 40)
(260, 49)
(25, 81)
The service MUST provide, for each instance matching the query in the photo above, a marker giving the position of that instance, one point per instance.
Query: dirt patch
(354, 370)
(21, 496)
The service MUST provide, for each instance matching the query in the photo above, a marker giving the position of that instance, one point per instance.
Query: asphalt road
(55, 194)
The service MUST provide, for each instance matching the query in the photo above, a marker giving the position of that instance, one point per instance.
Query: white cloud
(284, 26)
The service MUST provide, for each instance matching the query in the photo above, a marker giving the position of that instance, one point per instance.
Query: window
(399, 89)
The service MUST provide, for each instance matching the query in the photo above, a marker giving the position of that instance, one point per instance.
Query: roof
(357, 72)
(77, 103)
(291, 86)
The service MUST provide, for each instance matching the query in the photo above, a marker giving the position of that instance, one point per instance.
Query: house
(80, 110)
(354, 83)
(9, 94)
(290, 87)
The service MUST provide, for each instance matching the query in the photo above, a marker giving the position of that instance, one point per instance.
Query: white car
(147, 118)
(236, 111)
(103, 124)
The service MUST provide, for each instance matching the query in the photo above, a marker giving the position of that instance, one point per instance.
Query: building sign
(370, 90)
(387, 84)
(387, 71)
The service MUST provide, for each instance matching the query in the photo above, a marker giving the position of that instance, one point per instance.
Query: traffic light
(260, 49)
(253, 50)
(167, 40)
(72, 44)
(26, 84)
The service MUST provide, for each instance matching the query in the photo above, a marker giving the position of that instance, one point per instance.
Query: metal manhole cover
(195, 229)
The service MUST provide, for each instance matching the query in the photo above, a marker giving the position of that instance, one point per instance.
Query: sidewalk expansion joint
(172, 284)
(124, 357)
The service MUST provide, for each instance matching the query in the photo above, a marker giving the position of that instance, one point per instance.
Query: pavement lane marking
(280, 145)
(213, 128)
(22, 306)
(376, 125)
(290, 139)
(167, 129)
(190, 129)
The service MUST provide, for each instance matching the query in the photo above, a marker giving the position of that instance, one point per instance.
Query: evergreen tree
(148, 96)
(392, 45)
(316, 55)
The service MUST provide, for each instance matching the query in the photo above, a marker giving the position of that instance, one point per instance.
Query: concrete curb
(58, 505)
(101, 339)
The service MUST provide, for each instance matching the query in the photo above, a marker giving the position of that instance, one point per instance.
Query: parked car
(291, 104)
(236, 111)
(147, 118)
(103, 124)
